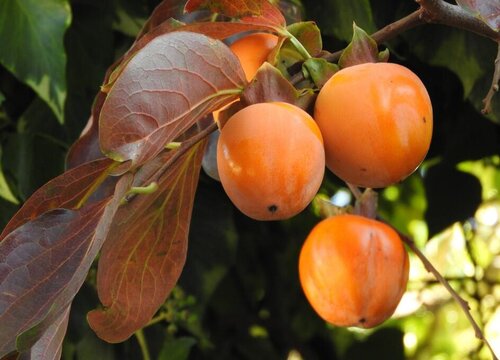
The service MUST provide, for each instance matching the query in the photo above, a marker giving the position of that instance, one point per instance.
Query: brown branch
(430, 12)
(494, 84)
(461, 302)
(441, 12)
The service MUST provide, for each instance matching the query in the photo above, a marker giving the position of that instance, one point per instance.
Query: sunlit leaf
(44, 262)
(486, 10)
(65, 191)
(308, 34)
(173, 81)
(143, 258)
(5, 190)
(39, 28)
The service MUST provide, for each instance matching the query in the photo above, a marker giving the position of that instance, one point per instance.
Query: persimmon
(252, 50)
(376, 121)
(353, 270)
(271, 160)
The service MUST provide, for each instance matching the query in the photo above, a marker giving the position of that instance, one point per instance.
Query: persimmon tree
(118, 218)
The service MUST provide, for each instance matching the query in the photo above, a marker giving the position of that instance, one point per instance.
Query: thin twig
(461, 302)
(141, 339)
(494, 84)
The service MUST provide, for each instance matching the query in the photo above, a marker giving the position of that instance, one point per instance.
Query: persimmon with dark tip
(353, 270)
(271, 160)
(376, 121)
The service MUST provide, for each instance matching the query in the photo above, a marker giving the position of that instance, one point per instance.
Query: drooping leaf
(145, 253)
(44, 262)
(49, 346)
(65, 191)
(173, 81)
(86, 147)
(39, 28)
(486, 10)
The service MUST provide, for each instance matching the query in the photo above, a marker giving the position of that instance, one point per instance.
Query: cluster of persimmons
(372, 127)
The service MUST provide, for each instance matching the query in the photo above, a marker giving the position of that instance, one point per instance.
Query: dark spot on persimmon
(364, 169)
(362, 320)
(272, 208)
(424, 119)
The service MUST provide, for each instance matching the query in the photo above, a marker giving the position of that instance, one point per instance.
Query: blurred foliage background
(239, 296)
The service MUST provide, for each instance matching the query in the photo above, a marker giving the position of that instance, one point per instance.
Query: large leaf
(173, 81)
(145, 253)
(486, 10)
(65, 191)
(44, 262)
(49, 346)
(36, 53)
(231, 8)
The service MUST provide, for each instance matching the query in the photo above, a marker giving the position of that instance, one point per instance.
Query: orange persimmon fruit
(252, 50)
(271, 160)
(353, 270)
(376, 121)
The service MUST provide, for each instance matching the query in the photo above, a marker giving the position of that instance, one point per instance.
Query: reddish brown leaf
(49, 347)
(269, 85)
(270, 15)
(65, 191)
(143, 258)
(231, 8)
(86, 148)
(173, 81)
(44, 262)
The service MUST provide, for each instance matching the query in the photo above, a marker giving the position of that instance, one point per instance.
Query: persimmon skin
(376, 121)
(253, 50)
(353, 270)
(271, 160)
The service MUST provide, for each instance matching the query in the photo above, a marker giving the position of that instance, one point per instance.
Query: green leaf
(319, 70)
(457, 50)
(308, 34)
(2, 98)
(335, 17)
(177, 349)
(361, 49)
(5, 191)
(32, 48)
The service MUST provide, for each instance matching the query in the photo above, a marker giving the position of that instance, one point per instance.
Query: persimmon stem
(461, 302)
(494, 84)
(298, 45)
(355, 191)
(141, 339)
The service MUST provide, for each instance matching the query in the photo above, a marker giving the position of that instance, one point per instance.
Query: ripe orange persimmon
(376, 121)
(253, 50)
(353, 270)
(271, 160)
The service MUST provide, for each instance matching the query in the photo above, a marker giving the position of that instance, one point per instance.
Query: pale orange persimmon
(252, 50)
(376, 121)
(353, 270)
(271, 160)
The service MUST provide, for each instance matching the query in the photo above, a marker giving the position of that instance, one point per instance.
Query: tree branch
(461, 302)
(494, 84)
